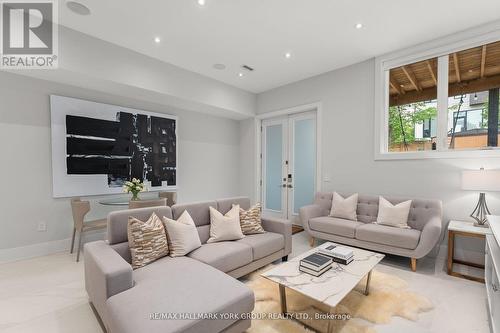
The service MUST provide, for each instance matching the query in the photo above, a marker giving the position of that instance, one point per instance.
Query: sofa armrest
(308, 212)
(106, 273)
(431, 233)
(279, 226)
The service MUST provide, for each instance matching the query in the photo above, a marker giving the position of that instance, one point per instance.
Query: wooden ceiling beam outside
(411, 76)
(396, 87)
(431, 70)
(483, 60)
(454, 89)
(457, 66)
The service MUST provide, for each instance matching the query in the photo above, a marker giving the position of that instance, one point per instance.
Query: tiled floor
(47, 294)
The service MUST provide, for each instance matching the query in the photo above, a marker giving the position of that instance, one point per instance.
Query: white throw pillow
(225, 227)
(182, 235)
(393, 215)
(344, 208)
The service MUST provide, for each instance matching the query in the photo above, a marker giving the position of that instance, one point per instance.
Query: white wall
(208, 161)
(347, 96)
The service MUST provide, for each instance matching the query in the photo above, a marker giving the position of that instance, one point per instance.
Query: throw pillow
(393, 215)
(147, 240)
(250, 221)
(182, 235)
(344, 208)
(225, 227)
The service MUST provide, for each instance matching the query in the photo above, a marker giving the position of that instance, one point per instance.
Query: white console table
(492, 272)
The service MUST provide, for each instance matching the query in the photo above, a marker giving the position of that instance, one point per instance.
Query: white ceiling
(320, 34)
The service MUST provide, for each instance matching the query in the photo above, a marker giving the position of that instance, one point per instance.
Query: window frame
(440, 49)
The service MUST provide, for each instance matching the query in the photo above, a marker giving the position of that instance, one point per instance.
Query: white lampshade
(481, 180)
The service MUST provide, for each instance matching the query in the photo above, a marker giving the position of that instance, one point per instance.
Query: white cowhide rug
(389, 297)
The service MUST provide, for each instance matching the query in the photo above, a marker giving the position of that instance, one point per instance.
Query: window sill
(434, 154)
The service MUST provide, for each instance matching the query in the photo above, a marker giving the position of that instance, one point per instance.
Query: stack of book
(315, 264)
(340, 254)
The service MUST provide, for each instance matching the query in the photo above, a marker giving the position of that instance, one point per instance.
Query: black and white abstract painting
(97, 147)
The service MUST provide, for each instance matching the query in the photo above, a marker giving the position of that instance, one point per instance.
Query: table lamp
(481, 181)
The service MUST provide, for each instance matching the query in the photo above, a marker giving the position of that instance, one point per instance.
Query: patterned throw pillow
(250, 220)
(147, 240)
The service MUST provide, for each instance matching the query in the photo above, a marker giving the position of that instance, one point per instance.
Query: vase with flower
(135, 187)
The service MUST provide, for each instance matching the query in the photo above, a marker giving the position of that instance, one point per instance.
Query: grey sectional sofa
(425, 220)
(203, 282)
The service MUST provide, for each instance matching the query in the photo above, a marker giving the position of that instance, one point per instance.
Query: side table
(465, 229)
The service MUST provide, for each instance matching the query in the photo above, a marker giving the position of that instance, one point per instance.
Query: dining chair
(79, 209)
(132, 204)
(170, 196)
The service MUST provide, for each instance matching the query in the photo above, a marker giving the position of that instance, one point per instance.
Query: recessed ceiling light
(78, 8)
(358, 25)
(219, 66)
(202, 2)
(288, 55)
(240, 74)
(157, 40)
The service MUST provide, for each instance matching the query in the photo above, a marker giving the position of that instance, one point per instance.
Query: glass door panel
(274, 153)
(303, 162)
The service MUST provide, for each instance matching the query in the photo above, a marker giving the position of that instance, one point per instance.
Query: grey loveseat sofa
(425, 220)
(152, 298)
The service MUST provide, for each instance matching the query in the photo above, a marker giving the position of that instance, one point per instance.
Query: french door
(288, 164)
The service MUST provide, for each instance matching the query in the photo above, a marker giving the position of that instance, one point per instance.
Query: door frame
(316, 107)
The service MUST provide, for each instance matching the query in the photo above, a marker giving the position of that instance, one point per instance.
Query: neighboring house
(467, 124)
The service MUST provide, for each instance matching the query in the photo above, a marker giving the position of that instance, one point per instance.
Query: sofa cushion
(158, 290)
(118, 221)
(264, 244)
(199, 211)
(335, 226)
(225, 205)
(224, 256)
(381, 234)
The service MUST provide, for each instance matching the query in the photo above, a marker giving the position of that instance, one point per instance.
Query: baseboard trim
(34, 250)
(43, 249)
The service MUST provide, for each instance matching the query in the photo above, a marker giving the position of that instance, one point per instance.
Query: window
(472, 119)
(413, 107)
(446, 103)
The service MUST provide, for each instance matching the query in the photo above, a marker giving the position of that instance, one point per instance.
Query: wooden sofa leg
(414, 264)
(284, 259)
(311, 241)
